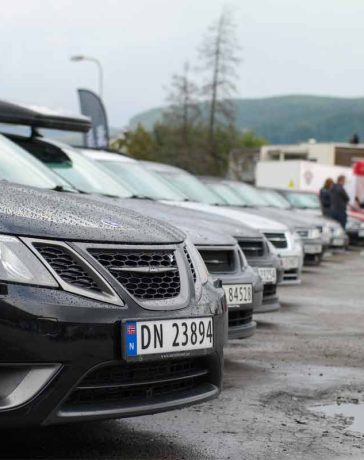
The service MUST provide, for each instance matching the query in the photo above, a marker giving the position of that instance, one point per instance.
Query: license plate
(290, 262)
(168, 336)
(238, 294)
(313, 248)
(268, 275)
(338, 242)
(361, 233)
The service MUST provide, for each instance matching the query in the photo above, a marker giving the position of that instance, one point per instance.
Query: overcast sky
(289, 46)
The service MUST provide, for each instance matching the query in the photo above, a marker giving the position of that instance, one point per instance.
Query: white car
(287, 244)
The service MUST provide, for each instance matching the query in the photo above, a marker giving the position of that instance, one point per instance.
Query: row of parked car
(121, 280)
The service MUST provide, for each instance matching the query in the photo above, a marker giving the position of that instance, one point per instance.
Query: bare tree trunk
(214, 91)
(219, 55)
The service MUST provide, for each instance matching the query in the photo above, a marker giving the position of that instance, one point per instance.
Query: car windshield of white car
(141, 182)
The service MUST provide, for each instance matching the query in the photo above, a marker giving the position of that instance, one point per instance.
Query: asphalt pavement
(310, 353)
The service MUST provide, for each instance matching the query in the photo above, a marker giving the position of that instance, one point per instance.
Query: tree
(250, 140)
(183, 109)
(219, 55)
(138, 143)
(182, 113)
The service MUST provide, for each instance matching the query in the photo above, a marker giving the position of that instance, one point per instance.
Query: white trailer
(299, 175)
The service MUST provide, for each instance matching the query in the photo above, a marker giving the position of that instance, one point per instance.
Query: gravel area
(309, 353)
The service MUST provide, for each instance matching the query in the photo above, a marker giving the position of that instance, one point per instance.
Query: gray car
(251, 199)
(308, 204)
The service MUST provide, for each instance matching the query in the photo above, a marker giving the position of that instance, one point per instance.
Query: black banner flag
(92, 107)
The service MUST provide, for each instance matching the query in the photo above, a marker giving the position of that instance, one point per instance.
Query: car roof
(41, 117)
(104, 155)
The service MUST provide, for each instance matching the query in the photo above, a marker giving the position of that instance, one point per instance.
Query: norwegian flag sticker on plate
(131, 338)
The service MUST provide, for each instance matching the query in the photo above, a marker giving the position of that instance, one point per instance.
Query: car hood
(201, 228)
(302, 218)
(259, 223)
(290, 218)
(32, 212)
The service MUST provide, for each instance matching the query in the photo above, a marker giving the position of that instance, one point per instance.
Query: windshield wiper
(140, 197)
(61, 188)
(179, 200)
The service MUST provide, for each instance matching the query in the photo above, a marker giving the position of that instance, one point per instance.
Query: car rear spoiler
(41, 117)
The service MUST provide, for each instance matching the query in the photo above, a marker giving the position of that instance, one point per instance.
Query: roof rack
(41, 117)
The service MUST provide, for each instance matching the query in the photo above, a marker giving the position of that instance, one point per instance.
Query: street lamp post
(79, 58)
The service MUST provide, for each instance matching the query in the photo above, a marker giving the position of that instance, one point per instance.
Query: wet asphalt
(309, 353)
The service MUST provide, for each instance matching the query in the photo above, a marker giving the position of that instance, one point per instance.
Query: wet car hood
(292, 217)
(261, 224)
(287, 217)
(27, 211)
(203, 228)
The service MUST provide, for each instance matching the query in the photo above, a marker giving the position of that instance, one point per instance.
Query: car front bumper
(62, 359)
(313, 250)
(356, 237)
(240, 317)
(292, 263)
(270, 301)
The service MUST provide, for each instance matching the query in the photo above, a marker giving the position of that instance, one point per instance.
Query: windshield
(275, 199)
(140, 181)
(249, 194)
(227, 194)
(303, 200)
(19, 166)
(87, 176)
(193, 188)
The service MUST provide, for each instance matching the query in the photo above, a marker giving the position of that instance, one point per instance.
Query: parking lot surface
(309, 353)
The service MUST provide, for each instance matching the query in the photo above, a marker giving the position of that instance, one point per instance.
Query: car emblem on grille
(111, 223)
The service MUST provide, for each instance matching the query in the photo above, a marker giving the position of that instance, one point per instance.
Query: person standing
(325, 197)
(339, 201)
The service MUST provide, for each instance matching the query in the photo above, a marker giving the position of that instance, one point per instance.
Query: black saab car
(103, 314)
(146, 188)
(242, 285)
(221, 253)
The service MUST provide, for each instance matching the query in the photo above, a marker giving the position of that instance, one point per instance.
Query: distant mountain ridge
(289, 119)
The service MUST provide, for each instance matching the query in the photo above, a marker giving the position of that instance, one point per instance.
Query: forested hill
(286, 119)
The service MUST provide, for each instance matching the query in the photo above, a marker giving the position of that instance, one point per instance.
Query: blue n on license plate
(168, 336)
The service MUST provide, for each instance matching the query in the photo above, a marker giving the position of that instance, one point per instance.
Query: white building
(324, 153)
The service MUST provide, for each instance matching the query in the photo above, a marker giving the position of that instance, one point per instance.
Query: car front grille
(252, 248)
(122, 385)
(67, 266)
(240, 317)
(218, 261)
(145, 274)
(291, 275)
(269, 290)
(278, 240)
